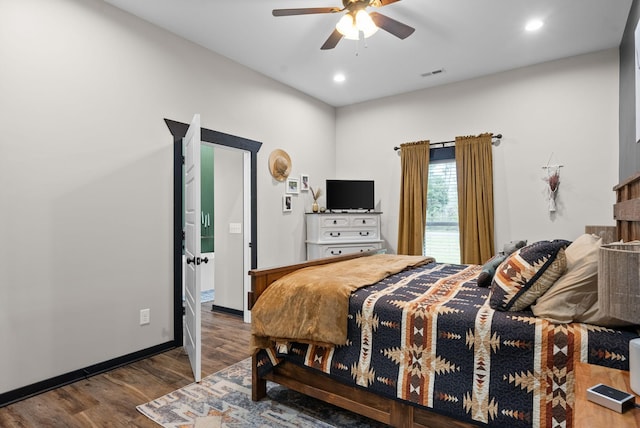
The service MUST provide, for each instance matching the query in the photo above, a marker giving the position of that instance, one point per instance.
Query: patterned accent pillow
(526, 274)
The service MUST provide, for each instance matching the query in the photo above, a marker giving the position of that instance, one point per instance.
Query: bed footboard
(258, 384)
(388, 411)
(262, 278)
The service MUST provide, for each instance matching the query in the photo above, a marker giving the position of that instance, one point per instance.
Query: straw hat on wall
(279, 164)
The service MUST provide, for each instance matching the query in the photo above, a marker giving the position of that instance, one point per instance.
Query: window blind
(442, 235)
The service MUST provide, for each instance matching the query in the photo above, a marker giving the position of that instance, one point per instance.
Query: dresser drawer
(364, 220)
(348, 235)
(334, 221)
(315, 251)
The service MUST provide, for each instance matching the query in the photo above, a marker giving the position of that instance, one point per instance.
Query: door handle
(191, 260)
(205, 260)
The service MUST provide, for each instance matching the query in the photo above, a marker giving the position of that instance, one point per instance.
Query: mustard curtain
(474, 165)
(413, 197)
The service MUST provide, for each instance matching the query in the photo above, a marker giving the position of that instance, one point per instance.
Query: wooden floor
(110, 399)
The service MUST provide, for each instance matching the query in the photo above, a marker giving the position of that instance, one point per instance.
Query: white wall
(568, 108)
(228, 202)
(86, 170)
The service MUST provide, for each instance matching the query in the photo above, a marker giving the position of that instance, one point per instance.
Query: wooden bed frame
(386, 410)
(360, 401)
(626, 211)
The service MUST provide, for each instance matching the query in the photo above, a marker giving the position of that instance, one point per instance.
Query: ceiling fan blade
(305, 11)
(392, 26)
(332, 41)
(380, 3)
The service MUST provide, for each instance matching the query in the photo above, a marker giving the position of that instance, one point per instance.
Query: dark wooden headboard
(626, 210)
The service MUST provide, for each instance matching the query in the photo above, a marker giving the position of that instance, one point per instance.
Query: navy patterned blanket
(429, 337)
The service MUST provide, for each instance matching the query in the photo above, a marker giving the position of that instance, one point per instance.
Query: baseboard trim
(25, 392)
(226, 310)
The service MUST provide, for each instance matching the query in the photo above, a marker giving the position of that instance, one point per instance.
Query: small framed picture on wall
(287, 203)
(304, 182)
(293, 185)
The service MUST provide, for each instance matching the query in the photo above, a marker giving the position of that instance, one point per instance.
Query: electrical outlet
(145, 316)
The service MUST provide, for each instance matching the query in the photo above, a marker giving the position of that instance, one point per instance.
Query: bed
(425, 348)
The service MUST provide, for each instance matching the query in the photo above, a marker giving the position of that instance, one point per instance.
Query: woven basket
(619, 281)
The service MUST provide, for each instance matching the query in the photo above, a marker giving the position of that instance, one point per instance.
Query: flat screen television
(345, 195)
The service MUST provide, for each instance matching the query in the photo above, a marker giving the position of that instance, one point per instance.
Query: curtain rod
(442, 143)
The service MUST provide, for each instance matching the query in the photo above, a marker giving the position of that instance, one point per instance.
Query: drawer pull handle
(364, 233)
(364, 221)
(335, 221)
(336, 253)
(334, 234)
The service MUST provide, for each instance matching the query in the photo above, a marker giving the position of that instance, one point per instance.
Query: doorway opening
(226, 226)
(250, 148)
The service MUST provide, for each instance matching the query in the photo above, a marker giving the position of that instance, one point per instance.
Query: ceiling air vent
(432, 73)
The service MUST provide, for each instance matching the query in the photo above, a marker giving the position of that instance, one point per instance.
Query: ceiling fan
(355, 21)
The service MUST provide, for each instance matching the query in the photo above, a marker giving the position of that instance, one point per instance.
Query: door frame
(178, 130)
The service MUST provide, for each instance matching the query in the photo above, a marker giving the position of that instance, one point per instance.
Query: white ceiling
(466, 38)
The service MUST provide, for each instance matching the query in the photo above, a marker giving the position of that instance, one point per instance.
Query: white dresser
(336, 234)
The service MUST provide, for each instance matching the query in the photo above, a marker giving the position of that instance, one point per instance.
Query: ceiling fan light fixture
(365, 24)
(346, 26)
(350, 26)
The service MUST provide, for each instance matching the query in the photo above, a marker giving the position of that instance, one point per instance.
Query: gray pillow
(510, 247)
(489, 269)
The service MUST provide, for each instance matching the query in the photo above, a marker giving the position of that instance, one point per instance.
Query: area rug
(223, 399)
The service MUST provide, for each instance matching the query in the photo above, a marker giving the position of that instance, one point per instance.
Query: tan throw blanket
(311, 305)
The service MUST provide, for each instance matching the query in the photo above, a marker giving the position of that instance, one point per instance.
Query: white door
(192, 339)
(247, 235)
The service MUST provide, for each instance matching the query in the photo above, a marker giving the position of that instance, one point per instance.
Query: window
(442, 234)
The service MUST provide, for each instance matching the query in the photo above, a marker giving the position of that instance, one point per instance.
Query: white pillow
(576, 291)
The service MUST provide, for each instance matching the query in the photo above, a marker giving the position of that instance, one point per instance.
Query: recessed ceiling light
(339, 78)
(534, 25)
